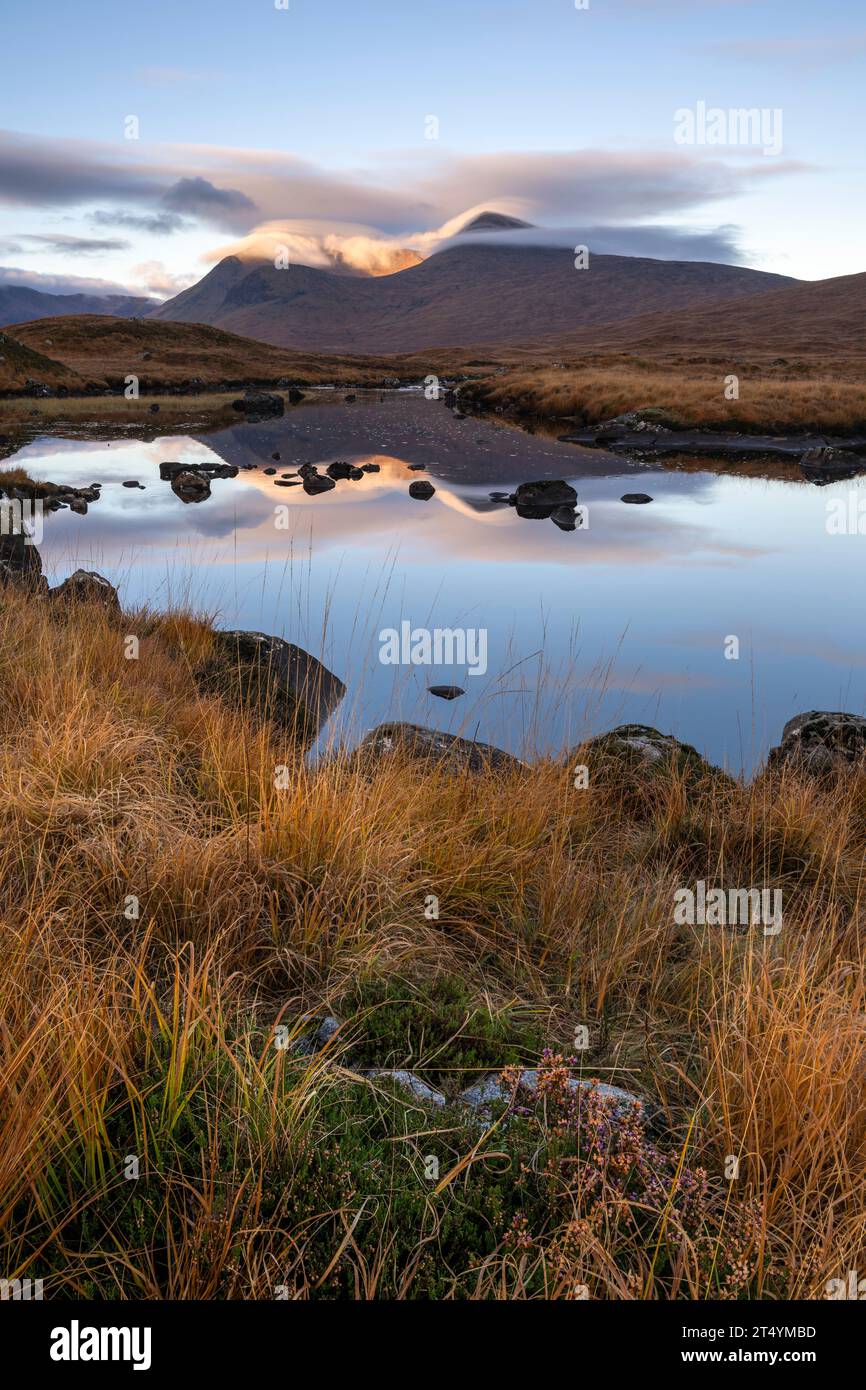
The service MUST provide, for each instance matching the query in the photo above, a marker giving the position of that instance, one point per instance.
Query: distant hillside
(819, 316)
(18, 304)
(466, 295)
(106, 350)
(20, 365)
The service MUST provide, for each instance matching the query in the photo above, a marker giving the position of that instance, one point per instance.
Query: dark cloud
(26, 243)
(157, 223)
(200, 197)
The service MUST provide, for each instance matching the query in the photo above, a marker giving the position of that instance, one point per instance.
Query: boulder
(190, 487)
(86, 586)
(317, 482)
(641, 747)
(429, 745)
(537, 501)
(821, 742)
(277, 680)
(422, 491)
(21, 564)
(340, 469)
(637, 499)
(260, 404)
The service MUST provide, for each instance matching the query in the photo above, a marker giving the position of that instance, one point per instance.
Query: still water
(625, 619)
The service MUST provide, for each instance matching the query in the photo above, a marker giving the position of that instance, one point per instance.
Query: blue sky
(311, 122)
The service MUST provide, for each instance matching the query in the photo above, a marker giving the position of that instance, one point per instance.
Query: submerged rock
(421, 491)
(260, 403)
(455, 754)
(277, 680)
(190, 487)
(820, 742)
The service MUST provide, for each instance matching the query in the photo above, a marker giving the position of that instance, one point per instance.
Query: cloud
(238, 189)
(200, 196)
(58, 243)
(59, 284)
(155, 279)
(156, 223)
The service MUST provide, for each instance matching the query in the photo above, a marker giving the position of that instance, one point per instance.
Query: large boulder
(639, 748)
(86, 586)
(21, 564)
(538, 500)
(820, 742)
(190, 487)
(277, 680)
(429, 745)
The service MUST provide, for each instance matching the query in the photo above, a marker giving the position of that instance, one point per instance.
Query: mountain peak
(493, 222)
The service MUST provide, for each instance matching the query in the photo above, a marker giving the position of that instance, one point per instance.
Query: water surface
(625, 619)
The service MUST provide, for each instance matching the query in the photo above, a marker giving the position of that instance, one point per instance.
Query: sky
(139, 144)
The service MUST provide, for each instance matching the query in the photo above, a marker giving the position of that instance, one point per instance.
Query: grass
(772, 396)
(164, 908)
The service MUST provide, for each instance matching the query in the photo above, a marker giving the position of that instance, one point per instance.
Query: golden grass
(153, 1036)
(794, 396)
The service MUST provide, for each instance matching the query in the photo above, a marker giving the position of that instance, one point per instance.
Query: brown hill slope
(823, 317)
(21, 365)
(162, 354)
(466, 295)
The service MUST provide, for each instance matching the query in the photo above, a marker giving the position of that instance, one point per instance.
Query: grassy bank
(774, 397)
(264, 1174)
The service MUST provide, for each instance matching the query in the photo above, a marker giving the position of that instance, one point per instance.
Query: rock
(455, 754)
(21, 564)
(565, 518)
(421, 491)
(190, 487)
(492, 1090)
(829, 465)
(638, 498)
(639, 746)
(370, 467)
(499, 496)
(274, 678)
(318, 482)
(308, 470)
(350, 398)
(168, 471)
(408, 1081)
(326, 1030)
(154, 409)
(416, 467)
(295, 396)
(85, 586)
(269, 472)
(276, 456)
(260, 403)
(340, 470)
(356, 475)
(133, 482)
(820, 742)
(287, 482)
(446, 692)
(538, 500)
(78, 505)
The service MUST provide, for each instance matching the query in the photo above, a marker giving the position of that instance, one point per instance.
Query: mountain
(814, 316)
(19, 304)
(494, 222)
(465, 295)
